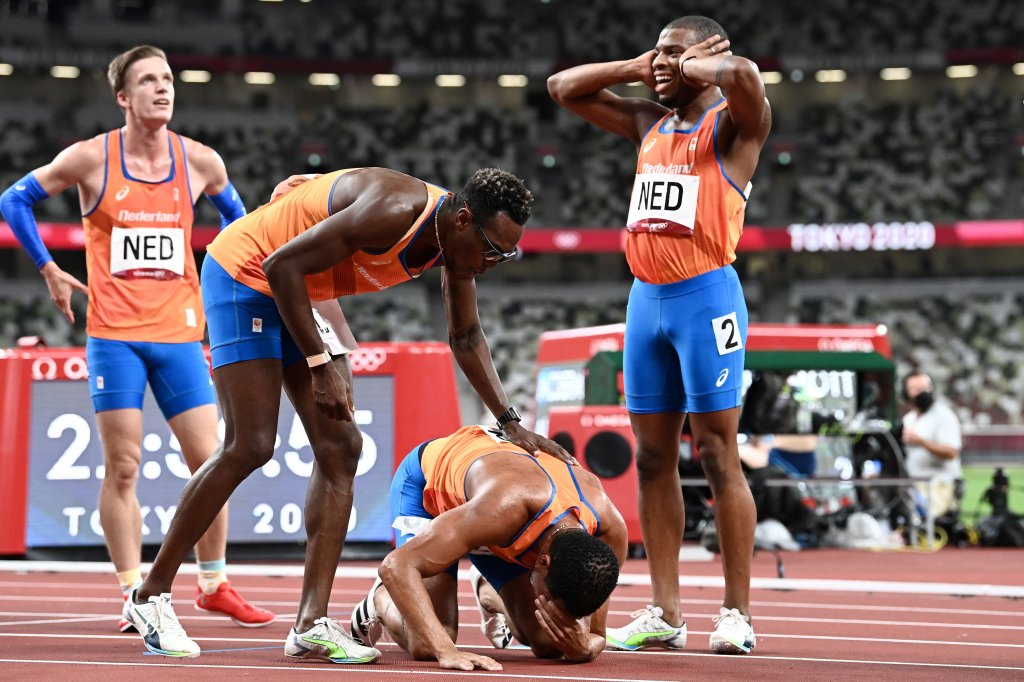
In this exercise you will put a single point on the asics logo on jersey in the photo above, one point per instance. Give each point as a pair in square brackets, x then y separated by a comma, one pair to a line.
[122, 193]
[20, 188]
[647, 147]
[722, 377]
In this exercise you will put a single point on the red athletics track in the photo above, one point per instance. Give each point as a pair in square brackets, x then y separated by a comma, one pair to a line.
[59, 625]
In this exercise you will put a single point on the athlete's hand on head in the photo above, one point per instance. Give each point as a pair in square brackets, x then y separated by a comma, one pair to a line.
[291, 183]
[535, 443]
[332, 393]
[712, 47]
[644, 65]
[571, 636]
[463, 660]
[61, 286]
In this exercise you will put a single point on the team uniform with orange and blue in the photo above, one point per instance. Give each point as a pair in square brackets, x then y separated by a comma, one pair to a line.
[243, 317]
[686, 320]
[145, 316]
[432, 480]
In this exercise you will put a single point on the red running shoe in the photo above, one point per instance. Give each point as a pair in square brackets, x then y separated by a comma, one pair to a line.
[228, 602]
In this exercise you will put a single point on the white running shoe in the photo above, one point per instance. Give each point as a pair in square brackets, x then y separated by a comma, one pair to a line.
[647, 629]
[733, 634]
[328, 641]
[492, 623]
[364, 625]
[159, 627]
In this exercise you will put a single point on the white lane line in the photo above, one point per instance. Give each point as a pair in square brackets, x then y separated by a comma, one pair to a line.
[788, 584]
[755, 660]
[296, 590]
[49, 621]
[356, 669]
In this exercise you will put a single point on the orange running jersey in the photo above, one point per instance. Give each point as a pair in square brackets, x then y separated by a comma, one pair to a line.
[685, 214]
[242, 249]
[446, 461]
[143, 284]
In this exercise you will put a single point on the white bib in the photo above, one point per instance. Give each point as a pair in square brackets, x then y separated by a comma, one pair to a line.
[663, 202]
[153, 252]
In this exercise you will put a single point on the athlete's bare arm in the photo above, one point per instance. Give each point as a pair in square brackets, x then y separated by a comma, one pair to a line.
[373, 209]
[211, 174]
[748, 120]
[613, 533]
[80, 164]
[490, 517]
[469, 345]
[583, 90]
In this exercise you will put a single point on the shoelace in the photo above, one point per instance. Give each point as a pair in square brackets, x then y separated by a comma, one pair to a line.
[334, 631]
[730, 617]
[166, 621]
[639, 626]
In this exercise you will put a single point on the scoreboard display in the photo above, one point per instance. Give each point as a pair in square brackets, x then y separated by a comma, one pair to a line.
[66, 470]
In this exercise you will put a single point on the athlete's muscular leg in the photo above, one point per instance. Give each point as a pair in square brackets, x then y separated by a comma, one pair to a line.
[120, 516]
[443, 591]
[336, 447]
[662, 518]
[196, 431]
[714, 437]
[250, 395]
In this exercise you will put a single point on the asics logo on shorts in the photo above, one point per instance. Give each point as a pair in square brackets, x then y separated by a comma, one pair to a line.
[722, 377]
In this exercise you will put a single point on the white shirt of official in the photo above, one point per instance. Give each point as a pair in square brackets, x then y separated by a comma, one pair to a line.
[941, 425]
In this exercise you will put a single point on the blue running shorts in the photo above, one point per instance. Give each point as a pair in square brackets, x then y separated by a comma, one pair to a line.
[684, 344]
[119, 370]
[244, 323]
[409, 518]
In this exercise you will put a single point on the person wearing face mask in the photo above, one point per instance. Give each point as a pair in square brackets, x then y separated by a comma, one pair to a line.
[931, 439]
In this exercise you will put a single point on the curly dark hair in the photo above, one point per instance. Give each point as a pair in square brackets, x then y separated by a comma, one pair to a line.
[491, 190]
[702, 27]
[583, 572]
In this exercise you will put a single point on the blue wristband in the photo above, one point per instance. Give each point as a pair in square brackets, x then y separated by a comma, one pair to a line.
[228, 204]
[16, 205]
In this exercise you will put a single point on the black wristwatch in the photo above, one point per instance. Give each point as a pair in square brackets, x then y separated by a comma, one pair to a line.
[510, 415]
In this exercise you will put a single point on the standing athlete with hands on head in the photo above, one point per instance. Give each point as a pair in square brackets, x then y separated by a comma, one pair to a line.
[344, 233]
[137, 187]
[686, 321]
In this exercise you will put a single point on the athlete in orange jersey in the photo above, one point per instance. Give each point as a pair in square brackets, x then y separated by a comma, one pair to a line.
[346, 232]
[137, 187]
[542, 533]
[698, 146]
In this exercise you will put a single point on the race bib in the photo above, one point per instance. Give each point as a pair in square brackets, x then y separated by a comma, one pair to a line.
[663, 202]
[327, 335]
[147, 252]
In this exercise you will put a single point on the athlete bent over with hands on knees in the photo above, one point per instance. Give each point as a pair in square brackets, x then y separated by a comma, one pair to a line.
[544, 535]
[686, 320]
[344, 233]
[137, 187]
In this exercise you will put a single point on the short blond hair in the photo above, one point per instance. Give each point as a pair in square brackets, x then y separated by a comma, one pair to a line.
[117, 72]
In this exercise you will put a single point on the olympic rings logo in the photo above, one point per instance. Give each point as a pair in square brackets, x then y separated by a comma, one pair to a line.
[45, 369]
[367, 360]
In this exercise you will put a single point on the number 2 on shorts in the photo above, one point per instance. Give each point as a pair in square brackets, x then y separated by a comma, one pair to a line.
[727, 334]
